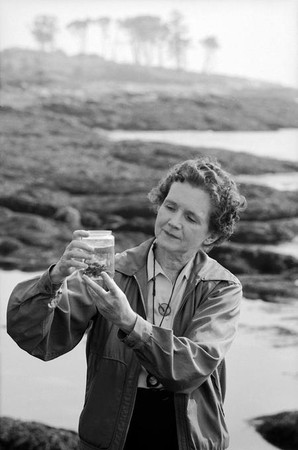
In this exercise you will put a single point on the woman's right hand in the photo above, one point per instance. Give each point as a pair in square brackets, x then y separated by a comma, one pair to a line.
[73, 257]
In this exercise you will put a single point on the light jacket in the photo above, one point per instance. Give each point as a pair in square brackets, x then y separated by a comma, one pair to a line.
[188, 360]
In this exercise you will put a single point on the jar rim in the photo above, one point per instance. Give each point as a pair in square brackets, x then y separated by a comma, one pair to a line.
[101, 232]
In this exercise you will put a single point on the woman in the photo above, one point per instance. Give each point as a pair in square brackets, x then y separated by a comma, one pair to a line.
[159, 332]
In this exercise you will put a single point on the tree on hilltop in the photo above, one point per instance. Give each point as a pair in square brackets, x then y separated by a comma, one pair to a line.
[146, 35]
[44, 30]
[80, 29]
[210, 46]
[103, 23]
[178, 39]
[160, 35]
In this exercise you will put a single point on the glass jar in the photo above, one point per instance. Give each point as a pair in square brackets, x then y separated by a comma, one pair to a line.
[102, 260]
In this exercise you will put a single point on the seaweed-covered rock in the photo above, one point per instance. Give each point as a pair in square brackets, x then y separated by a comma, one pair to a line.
[266, 232]
[20, 435]
[279, 429]
[244, 259]
[280, 288]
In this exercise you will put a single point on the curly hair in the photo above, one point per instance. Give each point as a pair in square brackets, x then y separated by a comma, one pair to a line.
[207, 174]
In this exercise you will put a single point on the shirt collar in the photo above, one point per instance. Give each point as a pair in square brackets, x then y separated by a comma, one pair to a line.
[185, 272]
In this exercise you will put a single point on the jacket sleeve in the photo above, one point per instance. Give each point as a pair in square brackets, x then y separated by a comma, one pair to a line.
[47, 320]
[183, 363]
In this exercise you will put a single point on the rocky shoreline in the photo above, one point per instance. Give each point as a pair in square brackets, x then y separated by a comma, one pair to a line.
[22, 435]
[280, 430]
[58, 177]
[58, 173]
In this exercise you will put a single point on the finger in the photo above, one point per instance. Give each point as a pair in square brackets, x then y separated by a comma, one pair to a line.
[78, 234]
[76, 264]
[109, 282]
[95, 286]
[92, 292]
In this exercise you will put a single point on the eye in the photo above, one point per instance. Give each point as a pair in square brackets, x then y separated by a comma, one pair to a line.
[191, 219]
[170, 207]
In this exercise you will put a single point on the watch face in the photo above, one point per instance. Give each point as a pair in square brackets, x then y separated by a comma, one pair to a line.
[152, 381]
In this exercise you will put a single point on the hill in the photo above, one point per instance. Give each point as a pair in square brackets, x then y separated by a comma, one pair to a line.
[109, 95]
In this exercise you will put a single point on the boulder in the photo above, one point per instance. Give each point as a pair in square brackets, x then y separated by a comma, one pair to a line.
[279, 429]
[266, 232]
[19, 435]
[243, 259]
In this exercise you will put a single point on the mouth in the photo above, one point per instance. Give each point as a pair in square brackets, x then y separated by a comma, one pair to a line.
[172, 236]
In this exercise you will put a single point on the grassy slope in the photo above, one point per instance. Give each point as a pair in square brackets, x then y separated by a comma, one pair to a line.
[110, 96]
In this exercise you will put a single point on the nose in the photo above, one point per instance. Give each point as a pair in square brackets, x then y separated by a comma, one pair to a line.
[175, 220]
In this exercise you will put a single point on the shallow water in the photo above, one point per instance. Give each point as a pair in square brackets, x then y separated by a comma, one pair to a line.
[51, 392]
[262, 372]
[281, 144]
[281, 181]
[262, 369]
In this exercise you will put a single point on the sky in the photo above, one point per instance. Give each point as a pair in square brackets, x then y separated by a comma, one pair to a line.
[258, 38]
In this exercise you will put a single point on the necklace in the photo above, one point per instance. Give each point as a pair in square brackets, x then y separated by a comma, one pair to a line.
[164, 309]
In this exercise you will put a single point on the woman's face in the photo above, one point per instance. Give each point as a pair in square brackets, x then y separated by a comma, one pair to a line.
[182, 222]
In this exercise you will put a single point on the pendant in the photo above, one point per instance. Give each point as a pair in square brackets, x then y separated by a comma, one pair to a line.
[164, 309]
[151, 381]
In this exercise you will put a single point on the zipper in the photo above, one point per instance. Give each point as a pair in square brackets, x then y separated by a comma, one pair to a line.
[134, 387]
[183, 434]
[134, 383]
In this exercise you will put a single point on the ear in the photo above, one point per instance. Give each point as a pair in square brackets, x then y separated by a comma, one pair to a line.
[210, 240]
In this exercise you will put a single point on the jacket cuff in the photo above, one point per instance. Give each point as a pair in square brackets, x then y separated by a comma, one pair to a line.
[52, 290]
[139, 336]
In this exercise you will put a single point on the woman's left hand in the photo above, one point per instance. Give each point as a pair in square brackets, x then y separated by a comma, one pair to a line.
[112, 303]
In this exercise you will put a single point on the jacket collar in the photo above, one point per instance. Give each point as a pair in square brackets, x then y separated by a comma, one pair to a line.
[131, 261]
[134, 260]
